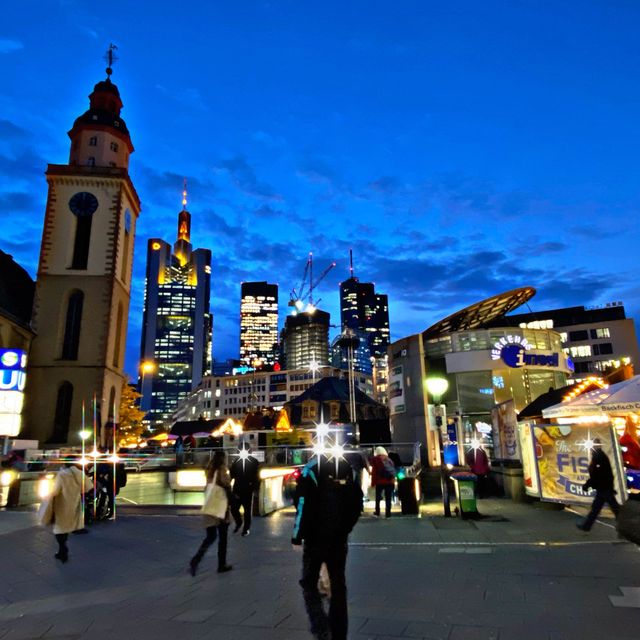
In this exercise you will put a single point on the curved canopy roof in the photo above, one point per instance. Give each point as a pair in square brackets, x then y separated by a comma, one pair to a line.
[480, 313]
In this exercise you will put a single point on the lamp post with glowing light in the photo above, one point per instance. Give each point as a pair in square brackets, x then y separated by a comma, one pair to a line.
[436, 387]
[147, 367]
[85, 434]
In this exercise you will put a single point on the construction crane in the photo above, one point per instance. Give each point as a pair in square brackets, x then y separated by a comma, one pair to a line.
[302, 297]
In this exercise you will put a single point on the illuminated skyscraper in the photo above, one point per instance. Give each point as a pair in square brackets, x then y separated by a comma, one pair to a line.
[362, 309]
[258, 322]
[306, 339]
[176, 333]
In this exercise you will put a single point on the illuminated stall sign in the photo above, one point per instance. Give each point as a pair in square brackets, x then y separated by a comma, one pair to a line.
[13, 375]
[513, 351]
[558, 458]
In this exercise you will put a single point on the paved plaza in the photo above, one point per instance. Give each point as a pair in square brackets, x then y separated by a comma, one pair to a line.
[523, 573]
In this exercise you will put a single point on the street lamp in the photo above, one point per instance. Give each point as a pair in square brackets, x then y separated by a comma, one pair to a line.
[436, 387]
[147, 367]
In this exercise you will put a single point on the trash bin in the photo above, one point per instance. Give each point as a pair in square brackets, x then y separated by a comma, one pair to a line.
[408, 486]
[465, 485]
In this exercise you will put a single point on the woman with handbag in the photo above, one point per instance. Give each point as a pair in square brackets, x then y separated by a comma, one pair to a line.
[216, 512]
[63, 507]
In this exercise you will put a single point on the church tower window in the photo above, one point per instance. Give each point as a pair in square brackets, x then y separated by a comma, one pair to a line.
[72, 326]
[93, 141]
[63, 412]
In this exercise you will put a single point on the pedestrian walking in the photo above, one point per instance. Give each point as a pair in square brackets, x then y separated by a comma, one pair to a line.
[216, 512]
[178, 447]
[63, 507]
[600, 479]
[329, 505]
[245, 474]
[383, 478]
[189, 445]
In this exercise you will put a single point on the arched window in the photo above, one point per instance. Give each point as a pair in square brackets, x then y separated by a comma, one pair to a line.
[118, 341]
[62, 417]
[72, 326]
[112, 405]
[125, 245]
[82, 241]
[91, 161]
[93, 141]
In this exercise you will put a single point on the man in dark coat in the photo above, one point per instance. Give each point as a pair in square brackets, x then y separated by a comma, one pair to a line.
[329, 505]
[600, 479]
[245, 474]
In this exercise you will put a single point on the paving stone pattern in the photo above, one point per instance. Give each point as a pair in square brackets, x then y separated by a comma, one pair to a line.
[533, 577]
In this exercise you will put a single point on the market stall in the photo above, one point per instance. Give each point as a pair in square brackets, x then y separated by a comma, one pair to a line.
[556, 455]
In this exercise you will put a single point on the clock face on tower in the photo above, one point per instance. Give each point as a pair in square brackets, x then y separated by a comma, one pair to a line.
[83, 204]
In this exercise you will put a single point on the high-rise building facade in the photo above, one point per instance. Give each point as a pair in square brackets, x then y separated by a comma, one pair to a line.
[83, 285]
[258, 323]
[362, 309]
[175, 350]
[362, 360]
[306, 339]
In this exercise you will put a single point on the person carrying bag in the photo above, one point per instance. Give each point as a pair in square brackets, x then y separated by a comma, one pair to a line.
[215, 510]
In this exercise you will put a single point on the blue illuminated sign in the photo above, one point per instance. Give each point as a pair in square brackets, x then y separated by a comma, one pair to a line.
[516, 356]
[13, 365]
[515, 352]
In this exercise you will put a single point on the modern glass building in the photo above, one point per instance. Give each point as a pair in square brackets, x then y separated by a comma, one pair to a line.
[362, 360]
[258, 323]
[597, 339]
[306, 339]
[486, 363]
[175, 350]
[362, 309]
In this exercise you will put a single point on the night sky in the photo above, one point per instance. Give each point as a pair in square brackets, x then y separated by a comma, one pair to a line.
[461, 148]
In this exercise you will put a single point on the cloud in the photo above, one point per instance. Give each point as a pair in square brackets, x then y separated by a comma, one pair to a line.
[187, 96]
[9, 45]
[92, 33]
[385, 185]
[243, 176]
[10, 132]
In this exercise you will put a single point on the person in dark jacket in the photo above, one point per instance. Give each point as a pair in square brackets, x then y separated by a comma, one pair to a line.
[245, 474]
[600, 479]
[357, 460]
[329, 505]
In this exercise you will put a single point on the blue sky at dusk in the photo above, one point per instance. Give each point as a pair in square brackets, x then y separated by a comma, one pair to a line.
[461, 149]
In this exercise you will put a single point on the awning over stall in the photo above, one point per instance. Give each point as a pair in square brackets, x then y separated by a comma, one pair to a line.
[619, 399]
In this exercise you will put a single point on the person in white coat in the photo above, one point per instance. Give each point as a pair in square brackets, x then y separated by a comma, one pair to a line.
[67, 507]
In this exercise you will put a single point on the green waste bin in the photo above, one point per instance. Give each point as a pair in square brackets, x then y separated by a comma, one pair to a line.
[465, 484]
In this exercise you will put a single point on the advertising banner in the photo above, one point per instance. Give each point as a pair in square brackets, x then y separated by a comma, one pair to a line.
[13, 373]
[529, 468]
[397, 402]
[505, 431]
[562, 454]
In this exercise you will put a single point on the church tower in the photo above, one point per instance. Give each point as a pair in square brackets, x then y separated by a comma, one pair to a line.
[83, 284]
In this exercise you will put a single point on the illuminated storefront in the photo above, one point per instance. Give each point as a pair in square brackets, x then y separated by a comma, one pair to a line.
[486, 368]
